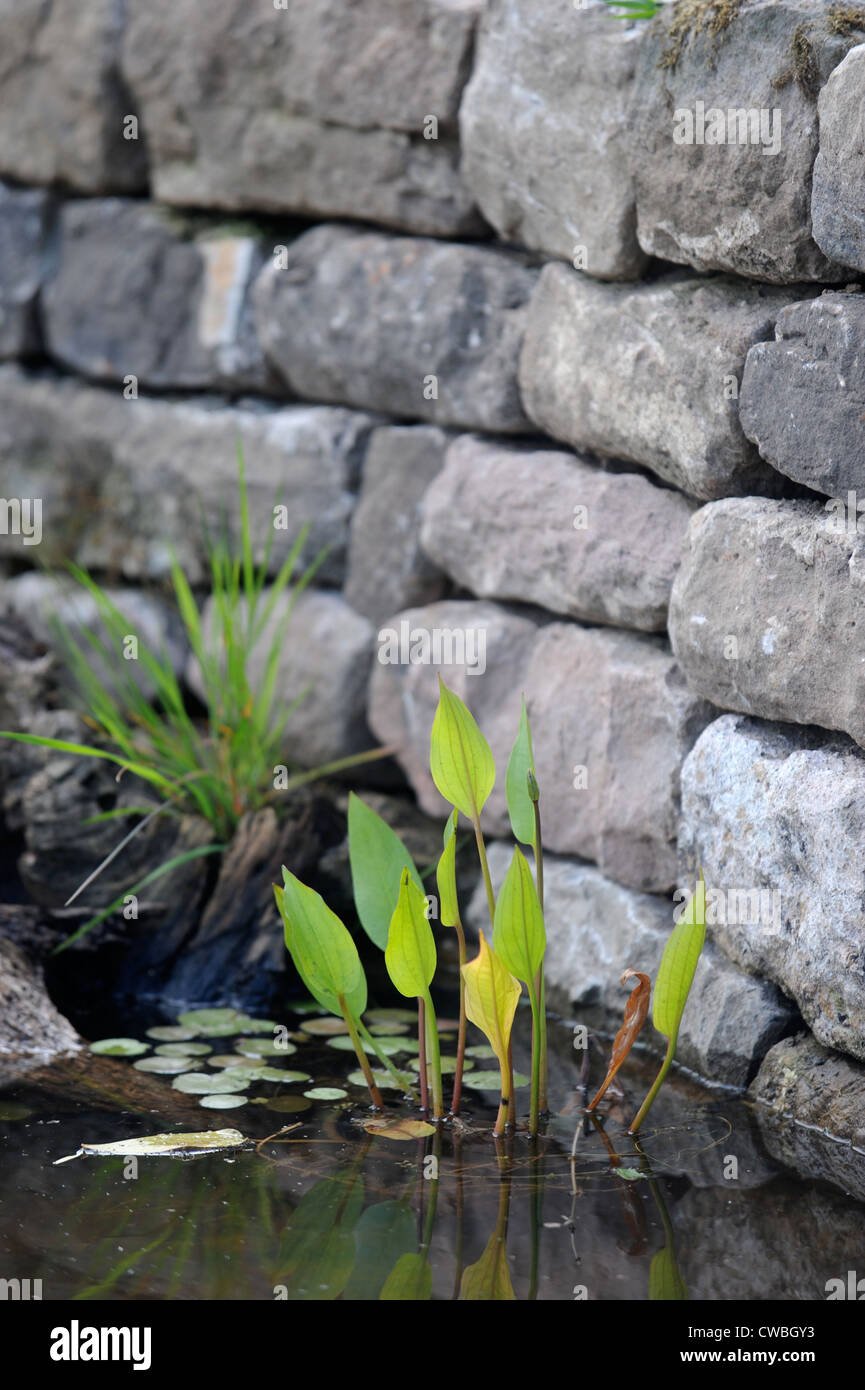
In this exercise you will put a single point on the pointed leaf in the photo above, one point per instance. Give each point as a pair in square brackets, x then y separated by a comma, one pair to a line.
[489, 1279]
[378, 857]
[446, 879]
[410, 1280]
[491, 998]
[321, 947]
[461, 762]
[521, 762]
[519, 938]
[410, 956]
[678, 964]
[636, 1010]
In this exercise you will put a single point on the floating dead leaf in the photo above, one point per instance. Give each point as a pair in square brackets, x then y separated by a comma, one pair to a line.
[636, 1010]
[165, 1145]
[400, 1128]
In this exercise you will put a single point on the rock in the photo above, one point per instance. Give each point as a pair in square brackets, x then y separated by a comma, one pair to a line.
[387, 569]
[535, 525]
[414, 327]
[64, 108]
[322, 110]
[24, 227]
[126, 484]
[134, 295]
[803, 396]
[774, 816]
[649, 374]
[761, 585]
[714, 192]
[32, 1032]
[542, 126]
[324, 660]
[45, 600]
[596, 929]
[28, 672]
[609, 712]
[838, 196]
[806, 1097]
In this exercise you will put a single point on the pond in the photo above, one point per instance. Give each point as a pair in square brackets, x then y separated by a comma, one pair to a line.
[699, 1210]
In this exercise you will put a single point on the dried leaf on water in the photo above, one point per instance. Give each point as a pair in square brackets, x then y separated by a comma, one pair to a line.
[636, 1012]
[164, 1145]
[400, 1128]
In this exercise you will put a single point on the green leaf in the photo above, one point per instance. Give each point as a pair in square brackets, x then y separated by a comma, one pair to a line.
[410, 1280]
[446, 877]
[520, 764]
[489, 1279]
[318, 1251]
[678, 964]
[384, 1233]
[410, 956]
[378, 857]
[321, 947]
[519, 938]
[461, 762]
[491, 999]
[665, 1281]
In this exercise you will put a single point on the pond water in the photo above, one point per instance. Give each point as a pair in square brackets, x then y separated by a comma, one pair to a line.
[700, 1209]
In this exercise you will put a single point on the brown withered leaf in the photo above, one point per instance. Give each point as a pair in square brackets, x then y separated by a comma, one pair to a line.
[636, 1011]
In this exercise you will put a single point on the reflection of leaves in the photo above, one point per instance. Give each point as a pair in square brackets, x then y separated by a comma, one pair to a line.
[383, 1234]
[318, 1244]
[410, 1280]
[490, 1277]
[636, 1011]
[665, 1281]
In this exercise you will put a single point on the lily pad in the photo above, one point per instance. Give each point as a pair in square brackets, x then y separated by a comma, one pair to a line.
[399, 1128]
[172, 1032]
[284, 1105]
[167, 1066]
[183, 1049]
[209, 1020]
[389, 1046]
[383, 1080]
[326, 1027]
[449, 1065]
[482, 1050]
[258, 1025]
[390, 1016]
[271, 1074]
[165, 1145]
[389, 1029]
[264, 1047]
[227, 1060]
[220, 1102]
[306, 1006]
[119, 1047]
[326, 1093]
[491, 1080]
[209, 1083]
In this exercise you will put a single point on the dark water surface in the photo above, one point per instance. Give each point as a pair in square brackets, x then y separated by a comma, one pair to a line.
[701, 1209]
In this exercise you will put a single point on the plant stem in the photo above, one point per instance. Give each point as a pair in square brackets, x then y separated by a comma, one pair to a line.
[375, 1093]
[536, 1059]
[421, 1056]
[461, 1036]
[658, 1083]
[540, 984]
[511, 1122]
[432, 1034]
[385, 1061]
[485, 870]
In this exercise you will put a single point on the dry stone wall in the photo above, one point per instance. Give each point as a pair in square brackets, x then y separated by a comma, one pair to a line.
[551, 326]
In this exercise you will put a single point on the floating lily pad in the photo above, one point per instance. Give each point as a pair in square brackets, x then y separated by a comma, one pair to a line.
[391, 1016]
[206, 1019]
[183, 1049]
[389, 1046]
[172, 1032]
[449, 1065]
[14, 1110]
[306, 1006]
[383, 1080]
[227, 1060]
[259, 1025]
[210, 1083]
[480, 1050]
[491, 1080]
[284, 1105]
[390, 1029]
[264, 1047]
[326, 1093]
[399, 1128]
[165, 1145]
[220, 1102]
[272, 1074]
[447, 1025]
[167, 1066]
[119, 1047]
[324, 1027]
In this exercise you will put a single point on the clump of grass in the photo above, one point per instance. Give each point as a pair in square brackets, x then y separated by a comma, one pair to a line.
[693, 17]
[803, 64]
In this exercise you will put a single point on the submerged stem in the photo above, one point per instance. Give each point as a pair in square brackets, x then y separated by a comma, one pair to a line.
[658, 1083]
[375, 1093]
[421, 1055]
[432, 1034]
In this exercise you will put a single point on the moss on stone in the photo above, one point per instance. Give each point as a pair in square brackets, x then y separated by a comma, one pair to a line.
[802, 67]
[845, 19]
[693, 17]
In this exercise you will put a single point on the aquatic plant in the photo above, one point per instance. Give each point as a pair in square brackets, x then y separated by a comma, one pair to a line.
[220, 768]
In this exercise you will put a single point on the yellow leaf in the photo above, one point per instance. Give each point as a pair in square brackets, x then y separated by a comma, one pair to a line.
[399, 1128]
[491, 998]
